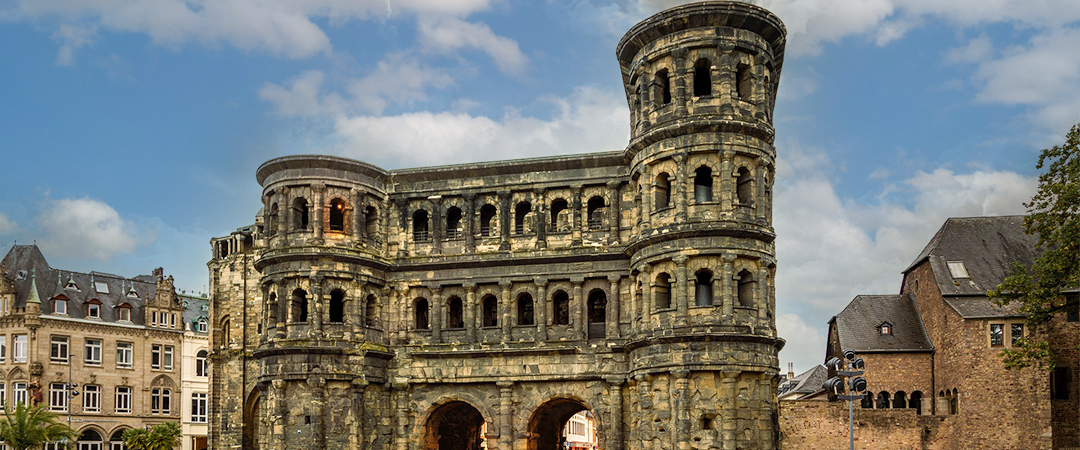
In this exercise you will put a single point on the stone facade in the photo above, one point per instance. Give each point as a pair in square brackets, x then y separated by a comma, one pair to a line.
[485, 304]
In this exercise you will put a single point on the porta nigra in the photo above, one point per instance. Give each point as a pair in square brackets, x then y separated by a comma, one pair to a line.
[482, 305]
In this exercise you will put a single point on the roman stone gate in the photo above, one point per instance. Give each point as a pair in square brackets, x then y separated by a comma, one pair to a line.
[484, 305]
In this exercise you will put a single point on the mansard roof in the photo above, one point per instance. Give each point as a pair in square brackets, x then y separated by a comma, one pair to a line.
[809, 382]
[858, 325]
[111, 290]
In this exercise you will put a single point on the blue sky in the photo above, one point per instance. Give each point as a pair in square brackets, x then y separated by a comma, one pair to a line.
[131, 130]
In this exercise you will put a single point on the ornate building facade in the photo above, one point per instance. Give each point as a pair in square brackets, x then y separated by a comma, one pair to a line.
[483, 305]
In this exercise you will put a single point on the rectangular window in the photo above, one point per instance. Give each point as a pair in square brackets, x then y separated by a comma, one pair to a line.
[3, 395]
[1017, 332]
[198, 407]
[957, 269]
[18, 353]
[93, 352]
[57, 397]
[19, 389]
[3, 347]
[997, 334]
[1060, 383]
[91, 398]
[123, 400]
[124, 314]
[58, 349]
[155, 356]
[124, 354]
[167, 358]
[93, 311]
[160, 401]
[60, 307]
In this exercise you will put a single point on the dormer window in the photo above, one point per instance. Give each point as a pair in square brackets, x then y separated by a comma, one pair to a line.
[71, 286]
[200, 325]
[123, 313]
[957, 269]
[93, 309]
[132, 294]
[886, 329]
[60, 306]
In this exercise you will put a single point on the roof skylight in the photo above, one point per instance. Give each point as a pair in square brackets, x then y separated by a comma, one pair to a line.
[957, 269]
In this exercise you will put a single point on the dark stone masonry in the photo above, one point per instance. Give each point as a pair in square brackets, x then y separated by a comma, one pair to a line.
[485, 304]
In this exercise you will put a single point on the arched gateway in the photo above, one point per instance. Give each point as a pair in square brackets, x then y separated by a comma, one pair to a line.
[480, 306]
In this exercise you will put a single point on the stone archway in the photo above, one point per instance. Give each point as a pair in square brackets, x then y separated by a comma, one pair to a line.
[454, 426]
[251, 431]
[547, 422]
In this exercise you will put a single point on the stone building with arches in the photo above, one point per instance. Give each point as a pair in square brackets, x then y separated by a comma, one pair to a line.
[483, 305]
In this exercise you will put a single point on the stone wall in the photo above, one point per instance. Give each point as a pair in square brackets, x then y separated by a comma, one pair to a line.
[824, 425]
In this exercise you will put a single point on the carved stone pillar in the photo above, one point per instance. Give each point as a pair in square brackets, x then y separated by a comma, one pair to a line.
[680, 75]
[681, 404]
[436, 225]
[359, 386]
[759, 181]
[614, 427]
[358, 313]
[727, 183]
[315, 306]
[278, 421]
[614, 211]
[647, 302]
[578, 322]
[471, 324]
[506, 404]
[727, 277]
[504, 310]
[646, 201]
[729, 409]
[318, 208]
[286, 210]
[680, 187]
[401, 391]
[436, 314]
[682, 302]
[762, 303]
[403, 226]
[540, 219]
[541, 309]
[612, 309]
[359, 219]
[470, 222]
[576, 219]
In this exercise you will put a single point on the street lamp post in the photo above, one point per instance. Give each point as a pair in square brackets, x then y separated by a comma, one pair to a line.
[851, 367]
[69, 391]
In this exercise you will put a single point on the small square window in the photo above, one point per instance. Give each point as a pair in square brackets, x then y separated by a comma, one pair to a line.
[60, 307]
[1016, 332]
[957, 269]
[124, 314]
[997, 334]
[93, 311]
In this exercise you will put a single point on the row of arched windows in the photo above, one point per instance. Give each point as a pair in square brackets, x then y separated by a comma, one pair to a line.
[897, 400]
[524, 308]
[559, 219]
[703, 187]
[336, 220]
[702, 82]
[703, 289]
[298, 307]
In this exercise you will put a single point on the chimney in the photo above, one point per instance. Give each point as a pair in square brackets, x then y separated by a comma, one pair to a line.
[790, 371]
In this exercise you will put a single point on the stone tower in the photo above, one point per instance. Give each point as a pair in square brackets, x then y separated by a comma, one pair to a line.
[486, 304]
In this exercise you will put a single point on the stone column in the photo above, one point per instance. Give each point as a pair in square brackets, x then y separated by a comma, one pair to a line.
[580, 326]
[576, 224]
[540, 219]
[471, 324]
[278, 421]
[647, 301]
[436, 225]
[727, 182]
[400, 298]
[682, 303]
[726, 278]
[646, 100]
[317, 208]
[359, 385]
[401, 390]
[646, 201]
[763, 293]
[266, 212]
[679, 74]
[614, 211]
[318, 425]
[470, 222]
[645, 403]
[612, 308]
[541, 309]
[436, 314]
[614, 426]
[358, 309]
[403, 226]
[759, 180]
[506, 403]
[286, 212]
[504, 220]
[359, 220]
[729, 409]
[504, 310]
[315, 305]
[681, 404]
[679, 186]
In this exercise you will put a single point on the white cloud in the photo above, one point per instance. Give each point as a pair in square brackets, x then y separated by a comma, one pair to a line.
[302, 98]
[399, 79]
[8, 230]
[976, 50]
[71, 38]
[87, 228]
[589, 120]
[831, 248]
[805, 342]
[447, 34]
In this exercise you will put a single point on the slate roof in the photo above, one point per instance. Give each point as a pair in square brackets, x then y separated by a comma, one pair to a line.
[988, 247]
[26, 262]
[195, 308]
[805, 383]
[857, 325]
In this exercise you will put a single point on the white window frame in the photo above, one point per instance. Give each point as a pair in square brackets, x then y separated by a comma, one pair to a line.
[199, 410]
[21, 394]
[122, 400]
[91, 398]
[92, 352]
[18, 351]
[123, 314]
[60, 306]
[202, 365]
[161, 401]
[58, 397]
[3, 395]
[155, 356]
[3, 347]
[167, 358]
[93, 311]
[125, 354]
[957, 269]
[58, 349]
[201, 325]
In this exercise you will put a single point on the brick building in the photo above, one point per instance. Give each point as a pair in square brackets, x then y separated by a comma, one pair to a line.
[484, 305]
[118, 338]
[934, 351]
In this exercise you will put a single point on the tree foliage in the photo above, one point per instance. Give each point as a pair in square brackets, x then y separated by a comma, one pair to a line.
[30, 427]
[1048, 287]
[163, 436]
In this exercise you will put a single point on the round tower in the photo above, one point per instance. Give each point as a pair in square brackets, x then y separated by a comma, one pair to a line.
[701, 82]
[324, 287]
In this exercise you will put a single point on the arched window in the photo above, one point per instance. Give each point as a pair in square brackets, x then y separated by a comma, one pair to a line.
[702, 78]
[744, 187]
[521, 213]
[223, 249]
[337, 215]
[453, 223]
[597, 306]
[662, 291]
[421, 313]
[273, 219]
[868, 400]
[298, 306]
[371, 220]
[596, 213]
[487, 219]
[703, 288]
[421, 232]
[455, 313]
[882, 400]
[743, 81]
[561, 307]
[746, 288]
[560, 215]
[662, 191]
[663, 87]
[116, 441]
[703, 184]
[89, 440]
[899, 400]
[371, 310]
[524, 309]
[226, 331]
[202, 364]
[300, 213]
[491, 311]
[337, 306]
[954, 401]
[915, 402]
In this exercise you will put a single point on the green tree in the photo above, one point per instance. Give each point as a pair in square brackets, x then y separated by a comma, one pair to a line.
[1048, 287]
[163, 436]
[28, 427]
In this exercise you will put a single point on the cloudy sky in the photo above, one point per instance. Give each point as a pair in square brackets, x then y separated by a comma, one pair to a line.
[130, 130]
